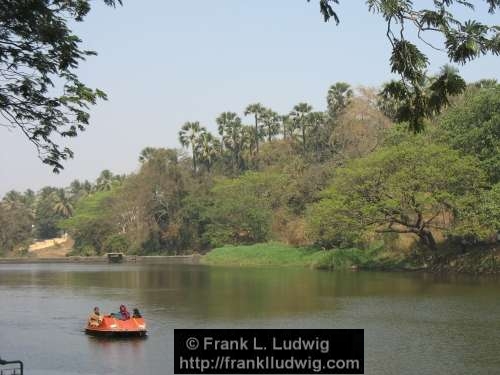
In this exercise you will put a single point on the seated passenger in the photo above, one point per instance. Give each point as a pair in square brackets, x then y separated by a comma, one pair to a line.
[136, 313]
[95, 318]
[124, 314]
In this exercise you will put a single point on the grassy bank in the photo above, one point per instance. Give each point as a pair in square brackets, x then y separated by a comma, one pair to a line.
[277, 254]
[476, 261]
[266, 254]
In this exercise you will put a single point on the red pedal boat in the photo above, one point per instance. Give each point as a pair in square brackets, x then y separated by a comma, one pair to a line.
[111, 326]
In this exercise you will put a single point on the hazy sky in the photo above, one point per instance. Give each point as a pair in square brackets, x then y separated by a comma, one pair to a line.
[165, 62]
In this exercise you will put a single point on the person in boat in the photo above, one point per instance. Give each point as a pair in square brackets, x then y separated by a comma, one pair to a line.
[95, 318]
[124, 314]
[136, 313]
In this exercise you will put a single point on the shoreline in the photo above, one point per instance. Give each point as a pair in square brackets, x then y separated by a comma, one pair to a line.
[100, 259]
[474, 262]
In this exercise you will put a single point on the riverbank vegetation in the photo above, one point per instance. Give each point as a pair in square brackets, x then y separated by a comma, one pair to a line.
[280, 255]
[376, 257]
[347, 177]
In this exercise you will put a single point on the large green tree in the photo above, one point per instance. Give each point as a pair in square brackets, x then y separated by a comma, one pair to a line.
[146, 208]
[40, 93]
[239, 210]
[413, 188]
[92, 223]
[472, 125]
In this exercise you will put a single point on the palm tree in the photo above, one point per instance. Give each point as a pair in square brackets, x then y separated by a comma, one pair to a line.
[338, 98]
[87, 187]
[13, 198]
[318, 133]
[62, 203]
[188, 137]
[231, 131]
[257, 110]
[78, 190]
[248, 139]
[270, 123]
[427, 97]
[287, 125]
[146, 154]
[105, 181]
[208, 148]
[300, 115]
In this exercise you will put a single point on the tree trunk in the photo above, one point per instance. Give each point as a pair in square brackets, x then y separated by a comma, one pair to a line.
[256, 134]
[428, 239]
[194, 162]
[304, 139]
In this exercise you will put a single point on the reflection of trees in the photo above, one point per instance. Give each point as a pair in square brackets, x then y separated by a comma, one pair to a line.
[193, 291]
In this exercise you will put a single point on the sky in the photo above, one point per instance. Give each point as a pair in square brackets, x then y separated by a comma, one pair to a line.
[166, 62]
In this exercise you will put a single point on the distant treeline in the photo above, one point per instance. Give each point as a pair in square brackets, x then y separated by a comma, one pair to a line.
[344, 177]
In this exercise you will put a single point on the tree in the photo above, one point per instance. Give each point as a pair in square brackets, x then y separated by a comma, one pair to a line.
[248, 143]
[338, 98]
[208, 149]
[78, 190]
[270, 123]
[92, 222]
[257, 110]
[105, 181]
[288, 124]
[301, 113]
[46, 217]
[116, 243]
[37, 51]
[147, 154]
[188, 137]
[490, 209]
[319, 134]
[472, 125]
[480, 217]
[361, 127]
[414, 105]
[16, 220]
[28, 198]
[413, 188]
[231, 130]
[62, 203]
[145, 207]
[239, 209]
[463, 42]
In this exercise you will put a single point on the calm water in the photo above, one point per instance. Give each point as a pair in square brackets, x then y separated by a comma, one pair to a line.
[414, 323]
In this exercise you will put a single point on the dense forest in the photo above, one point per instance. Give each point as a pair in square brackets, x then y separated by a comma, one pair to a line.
[348, 176]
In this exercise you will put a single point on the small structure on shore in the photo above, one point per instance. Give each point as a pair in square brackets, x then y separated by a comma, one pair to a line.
[115, 257]
[14, 367]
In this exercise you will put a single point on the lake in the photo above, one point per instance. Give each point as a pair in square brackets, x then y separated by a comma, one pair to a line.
[414, 323]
